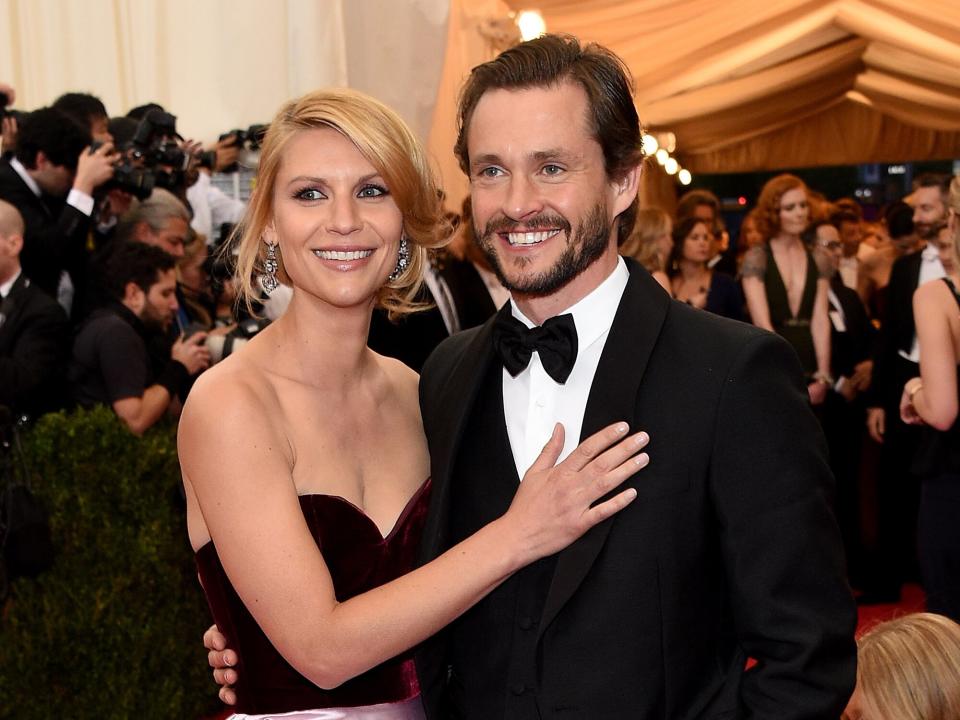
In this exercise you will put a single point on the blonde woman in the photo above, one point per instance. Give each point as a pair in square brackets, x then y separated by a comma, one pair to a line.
[908, 669]
[932, 399]
[651, 242]
[303, 455]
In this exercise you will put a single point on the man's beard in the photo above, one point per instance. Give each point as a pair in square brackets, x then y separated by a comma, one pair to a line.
[154, 319]
[581, 251]
[929, 231]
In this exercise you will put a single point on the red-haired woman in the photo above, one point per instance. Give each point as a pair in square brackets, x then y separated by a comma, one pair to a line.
[782, 285]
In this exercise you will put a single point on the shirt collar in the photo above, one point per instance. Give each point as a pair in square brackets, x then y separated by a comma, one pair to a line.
[25, 176]
[930, 253]
[593, 314]
[8, 285]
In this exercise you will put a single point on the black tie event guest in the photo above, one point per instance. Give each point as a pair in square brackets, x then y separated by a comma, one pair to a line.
[304, 461]
[852, 337]
[730, 550]
[896, 360]
[693, 281]
[782, 285]
[111, 363]
[34, 334]
[931, 399]
[51, 180]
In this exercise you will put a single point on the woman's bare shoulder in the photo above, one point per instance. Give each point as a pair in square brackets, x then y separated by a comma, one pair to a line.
[233, 398]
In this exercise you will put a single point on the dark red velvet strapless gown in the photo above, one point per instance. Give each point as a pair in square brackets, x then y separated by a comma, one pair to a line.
[359, 559]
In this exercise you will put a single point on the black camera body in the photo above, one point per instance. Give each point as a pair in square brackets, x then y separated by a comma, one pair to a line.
[152, 158]
[251, 138]
[5, 112]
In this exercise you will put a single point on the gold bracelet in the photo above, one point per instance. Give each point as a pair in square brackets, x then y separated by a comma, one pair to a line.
[912, 392]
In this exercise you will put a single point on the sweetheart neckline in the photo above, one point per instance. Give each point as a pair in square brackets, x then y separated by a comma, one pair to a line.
[404, 513]
[401, 518]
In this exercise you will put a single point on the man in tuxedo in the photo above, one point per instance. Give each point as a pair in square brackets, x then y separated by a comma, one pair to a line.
[51, 181]
[33, 330]
[852, 336]
[730, 550]
[897, 360]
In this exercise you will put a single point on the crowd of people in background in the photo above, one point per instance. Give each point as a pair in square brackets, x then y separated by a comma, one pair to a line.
[115, 291]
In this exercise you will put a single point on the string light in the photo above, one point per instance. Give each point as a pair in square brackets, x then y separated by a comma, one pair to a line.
[649, 144]
[662, 156]
[684, 177]
[531, 24]
[671, 166]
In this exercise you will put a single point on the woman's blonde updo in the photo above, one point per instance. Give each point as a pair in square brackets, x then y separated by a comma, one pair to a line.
[387, 143]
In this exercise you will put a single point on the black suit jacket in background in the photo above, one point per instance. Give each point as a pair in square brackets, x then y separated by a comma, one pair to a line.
[34, 348]
[897, 329]
[856, 343]
[729, 551]
[55, 236]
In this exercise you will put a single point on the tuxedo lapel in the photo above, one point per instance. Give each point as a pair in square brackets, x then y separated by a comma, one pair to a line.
[457, 399]
[613, 397]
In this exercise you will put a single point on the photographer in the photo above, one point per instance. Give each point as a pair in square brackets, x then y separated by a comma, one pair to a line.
[111, 364]
[51, 181]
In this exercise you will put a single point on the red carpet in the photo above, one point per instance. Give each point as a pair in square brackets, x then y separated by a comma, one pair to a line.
[912, 601]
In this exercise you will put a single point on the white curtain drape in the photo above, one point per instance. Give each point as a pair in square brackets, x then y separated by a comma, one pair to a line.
[221, 64]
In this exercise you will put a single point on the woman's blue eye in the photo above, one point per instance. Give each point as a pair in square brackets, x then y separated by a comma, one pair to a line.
[309, 194]
[369, 191]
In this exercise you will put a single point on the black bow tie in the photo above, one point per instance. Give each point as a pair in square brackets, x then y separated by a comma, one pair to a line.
[555, 341]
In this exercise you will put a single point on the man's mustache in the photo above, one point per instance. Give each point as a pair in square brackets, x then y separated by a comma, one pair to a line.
[539, 222]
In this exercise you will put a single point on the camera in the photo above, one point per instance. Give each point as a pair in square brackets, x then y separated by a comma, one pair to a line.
[248, 140]
[5, 112]
[152, 158]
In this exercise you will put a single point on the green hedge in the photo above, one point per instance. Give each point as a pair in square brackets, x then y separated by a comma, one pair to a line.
[114, 629]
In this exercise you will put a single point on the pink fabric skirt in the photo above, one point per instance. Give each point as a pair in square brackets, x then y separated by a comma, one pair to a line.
[411, 709]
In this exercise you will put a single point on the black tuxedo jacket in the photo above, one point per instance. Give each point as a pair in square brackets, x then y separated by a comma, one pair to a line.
[729, 551]
[897, 329]
[55, 236]
[34, 346]
[470, 294]
[855, 343]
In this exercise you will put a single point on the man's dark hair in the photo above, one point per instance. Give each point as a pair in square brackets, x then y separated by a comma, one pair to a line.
[122, 129]
[691, 200]
[82, 108]
[937, 180]
[899, 220]
[809, 236]
[134, 262]
[843, 215]
[140, 111]
[549, 61]
[53, 133]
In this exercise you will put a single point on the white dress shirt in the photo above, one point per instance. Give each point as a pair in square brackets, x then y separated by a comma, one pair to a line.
[533, 402]
[930, 269]
[78, 199]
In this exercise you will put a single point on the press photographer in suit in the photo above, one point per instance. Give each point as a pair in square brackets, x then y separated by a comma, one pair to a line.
[33, 331]
[51, 181]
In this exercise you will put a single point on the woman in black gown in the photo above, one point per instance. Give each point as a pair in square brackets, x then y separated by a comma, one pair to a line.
[303, 455]
[784, 290]
[932, 399]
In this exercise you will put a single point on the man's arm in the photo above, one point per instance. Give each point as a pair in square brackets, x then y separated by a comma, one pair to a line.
[36, 355]
[141, 412]
[772, 488]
